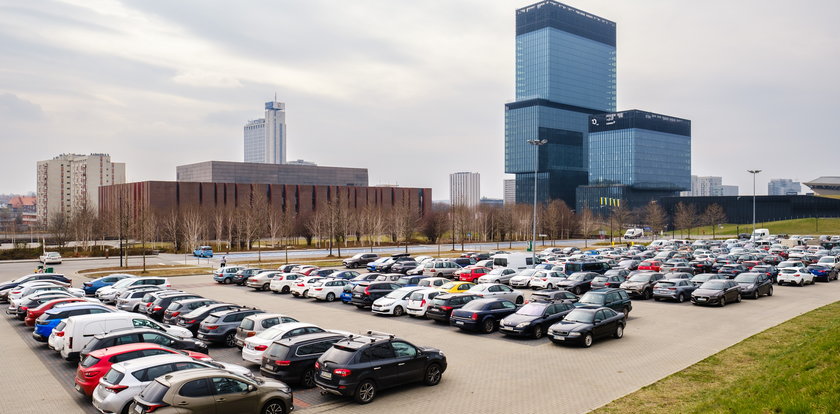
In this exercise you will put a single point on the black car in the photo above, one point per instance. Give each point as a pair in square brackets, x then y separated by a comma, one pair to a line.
[629, 264]
[150, 297]
[242, 276]
[440, 310]
[772, 259]
[404, 266]
[463, 261]
[192, 320]
[365, 293]
[584, 325]
[360, 260]
[293, 359]
[360, 366]
[553, 295]
[534, 318]
[137, 335]
[182, 307]
[161, 304]
[615, 299]
[702, 265]
[482, 314]
[385, 267]
[716, 292]
[220, 327]
[608, 281]
[753, 285]
[38, 300]
[770, 270]
[731, 270]
[578, 282]
[410, 280]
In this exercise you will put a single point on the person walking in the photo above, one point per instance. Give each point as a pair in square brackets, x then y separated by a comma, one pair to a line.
[224, 261]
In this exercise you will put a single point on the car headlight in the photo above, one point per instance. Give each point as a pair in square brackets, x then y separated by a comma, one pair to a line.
[285, 388]
[523, 325]
[574, 333]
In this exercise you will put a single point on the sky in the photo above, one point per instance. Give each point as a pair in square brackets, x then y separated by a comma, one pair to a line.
[411, 90]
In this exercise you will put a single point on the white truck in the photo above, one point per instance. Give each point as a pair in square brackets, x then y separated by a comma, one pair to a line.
[634, 233]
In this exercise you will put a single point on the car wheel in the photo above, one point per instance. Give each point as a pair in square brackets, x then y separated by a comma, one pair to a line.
[626, 311]
[488, 325]
[549, 286]
[285, 289]
[576, 290]
[433, 375]
[307, 380]
[305, 292]
[365, 392]
[587, 340]
[265, 287]
[230, 339]
[680, 298]
[619, 331]
[399, 311]
[657, 299]
[330, 297]
[353, 265]
[770, 291]
[738, 298]
[360, 306]
[647, 294]
[539, 331]
[722, 302]
[755, 294]
[519, 300]
[274, 407]
[226, 281]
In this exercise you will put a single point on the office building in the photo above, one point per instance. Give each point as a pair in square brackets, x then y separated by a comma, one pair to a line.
[783, 186]
[265, 138]
[825, 186]
[510, 192]
[637, 157]
[256, 173]
[726, 191]
[565, 72]
[70, 182]
[464, 189]
[709, 187]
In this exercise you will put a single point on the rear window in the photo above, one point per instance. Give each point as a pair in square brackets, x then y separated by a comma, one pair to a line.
[211, 319]
[665, 284]
[154, 392]
[417, 296]
[439, 302]
[475, 305]
[339, 355]
[247, 324]
[113, 377]
[60, 326]
[89, 361]
[277, 351]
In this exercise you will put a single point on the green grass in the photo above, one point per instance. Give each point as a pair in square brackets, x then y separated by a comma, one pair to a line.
[791, 368]
[812, 226]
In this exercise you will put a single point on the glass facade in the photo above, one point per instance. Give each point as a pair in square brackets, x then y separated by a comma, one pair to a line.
[565, 72]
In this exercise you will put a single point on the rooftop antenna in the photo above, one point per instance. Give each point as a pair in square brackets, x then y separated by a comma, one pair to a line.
[275, 96]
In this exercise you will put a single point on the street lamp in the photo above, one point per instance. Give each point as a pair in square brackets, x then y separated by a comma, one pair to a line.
[536, 143]
[753, 172]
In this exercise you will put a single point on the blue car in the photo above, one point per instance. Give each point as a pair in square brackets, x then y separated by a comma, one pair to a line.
[91, 287]
[45, 323]
[203, 251]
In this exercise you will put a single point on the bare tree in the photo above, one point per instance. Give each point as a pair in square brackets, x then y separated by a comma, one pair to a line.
[219, 215]
[193, 226]
[714, 216]
[170, 224]
[143, 228]
[59, 227]
[621, 215]
[655, 217]
[405, 222]
[231, 225]
[434, 225]
[587, 222]
[316, 225]
[685, 217]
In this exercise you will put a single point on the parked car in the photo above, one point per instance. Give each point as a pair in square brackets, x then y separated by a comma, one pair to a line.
[607, 281]
[255, 346]
[578, 283]
[138, 335]
[641, 284]
[584, 325]
[301, 288]
[440, 268]
[212, 389]
[359, 260]
[432, 282]
[615, 299]
[262, 281]
[254, 324]
[409, 281]
[456, 287]
[753, 285]
[293, 359]
[192, 320]
[731, 270]
[629, 264]
[799, 276]
[385, 265]
[674, 289]
[652, 265]
[283, 282]
[109, 294]
[33, 313]
[534, 319]
[482, 314]
[183, 307]
[328, 289]
[241, 277]
[351, 366]
[403, 266]
[50, 258]
[497, 290]
[92, 286]
[498, 275]
[203, 251]
[420, 300]
[442, 306]
[220, 327]
[547, 279]
[716, 292]
[822, 272]
[471, 273]
[366, 292]
[768, 270]
[524, 277]
[159, 307]
[698, 280]
[131, 299]
[8, 286]
[395, 302]
[553, 295]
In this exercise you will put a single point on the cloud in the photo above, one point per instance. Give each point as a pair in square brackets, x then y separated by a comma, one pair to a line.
[14, 108]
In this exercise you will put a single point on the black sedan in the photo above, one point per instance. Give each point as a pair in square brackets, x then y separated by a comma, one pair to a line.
[578, 282]
[551, 295]
[482, 314]
[584, 325]
[534, 319]
[702, 265]
[137, 335]
[716, 292]
[771, 271]
[754, 285]
[731, 270]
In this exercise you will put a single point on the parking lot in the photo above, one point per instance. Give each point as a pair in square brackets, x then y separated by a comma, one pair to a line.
[487, 373]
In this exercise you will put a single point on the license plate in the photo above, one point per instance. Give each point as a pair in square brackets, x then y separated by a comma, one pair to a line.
[326, 375]
[269, 367]
[701, 299]
[138, 409]
[459, 322]
[559, 338]
[356, 295]
[78, 387]
[201, 336]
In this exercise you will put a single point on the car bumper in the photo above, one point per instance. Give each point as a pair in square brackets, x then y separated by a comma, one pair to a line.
[565, 338]
[415, 311]
[518, 284]
[514, 331]
[39, 336]
[85, 387]
[385, 310]
[342, 389]
[255, 285]
[251, 355]
[711, 300]
[467, 324]
[661, 295]
[211, 336]
[437, 316]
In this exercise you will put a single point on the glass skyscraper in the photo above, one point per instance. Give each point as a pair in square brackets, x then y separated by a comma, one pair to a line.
[565, 72]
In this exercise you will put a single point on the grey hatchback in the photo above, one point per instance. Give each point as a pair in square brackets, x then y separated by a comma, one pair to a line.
[679, 290]
[220, 327]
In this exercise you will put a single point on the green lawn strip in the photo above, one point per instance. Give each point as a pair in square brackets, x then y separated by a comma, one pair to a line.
[790, 368]
[811, 226]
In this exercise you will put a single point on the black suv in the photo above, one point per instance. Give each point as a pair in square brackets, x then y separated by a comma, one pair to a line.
[615, 299]
[242, 276]
[192, 320]
[293, 359]
[359, 260]
[366, 292]
[360, 366]
[220, 327]
[442, 305]
[137, 335]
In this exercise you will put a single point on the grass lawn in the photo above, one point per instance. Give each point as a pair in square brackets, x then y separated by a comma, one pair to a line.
[812, 226]
[791, 368]
[151, 270]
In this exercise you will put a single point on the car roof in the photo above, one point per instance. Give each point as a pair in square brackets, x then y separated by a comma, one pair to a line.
[227, 312]
[308, 338]
[123, 331]
[121, 349]
[79, 305]
[190, 374]
[260, 316]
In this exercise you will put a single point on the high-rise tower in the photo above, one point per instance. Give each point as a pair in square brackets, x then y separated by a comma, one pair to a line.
[265, 138]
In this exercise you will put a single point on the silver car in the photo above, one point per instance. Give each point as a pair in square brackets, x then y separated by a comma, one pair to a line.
[130, 299]
[125, 380]
[497, 290]
[674, 289]
[498, 275]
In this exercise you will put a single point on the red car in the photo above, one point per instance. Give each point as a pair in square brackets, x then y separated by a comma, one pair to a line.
[471, 273]
[98, 362]
[33, 314]
[654, 265]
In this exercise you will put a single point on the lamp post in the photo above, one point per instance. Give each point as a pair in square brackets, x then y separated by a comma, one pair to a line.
[753, 172]
[536, 143]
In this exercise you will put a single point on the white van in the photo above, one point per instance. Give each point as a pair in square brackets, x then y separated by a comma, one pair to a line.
[79, 330]
[516, 261]
[634, 233]
[760, 234]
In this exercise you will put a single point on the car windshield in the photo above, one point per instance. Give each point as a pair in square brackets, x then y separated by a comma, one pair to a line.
[665, 284]
[640, 278]
[817, 267]
[592, 298]
[338, 355]
[531, 309]
[714, 285]
[122, 283]
[580, 316]
[826, 260]
[746, 278]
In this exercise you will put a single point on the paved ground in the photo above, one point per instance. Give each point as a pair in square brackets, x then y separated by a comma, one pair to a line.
[487, 373]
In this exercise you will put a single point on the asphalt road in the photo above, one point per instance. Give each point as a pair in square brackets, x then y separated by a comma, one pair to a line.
[492, 373]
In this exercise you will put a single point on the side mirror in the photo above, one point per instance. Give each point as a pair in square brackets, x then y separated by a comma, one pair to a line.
[251, 388]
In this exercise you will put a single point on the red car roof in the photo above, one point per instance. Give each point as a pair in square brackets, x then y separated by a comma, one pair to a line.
[50, 304]
[121, 349]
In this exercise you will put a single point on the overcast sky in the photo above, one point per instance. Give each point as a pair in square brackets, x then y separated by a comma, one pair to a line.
[411, 90]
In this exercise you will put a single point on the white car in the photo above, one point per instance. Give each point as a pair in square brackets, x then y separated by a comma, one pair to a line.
[497, 290]
[56, 338]
[791, 263]
[547, 280]
[283, 282]
[256, 345]
[420, 300]
[327, 289]
[795, 276]
[432, 282]
[301, 288]
[109, 294]
[523, 278]
[498, 275]
[395, 302]
[50, 258]
[118, 387]
[40, 288]
[423, 259]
